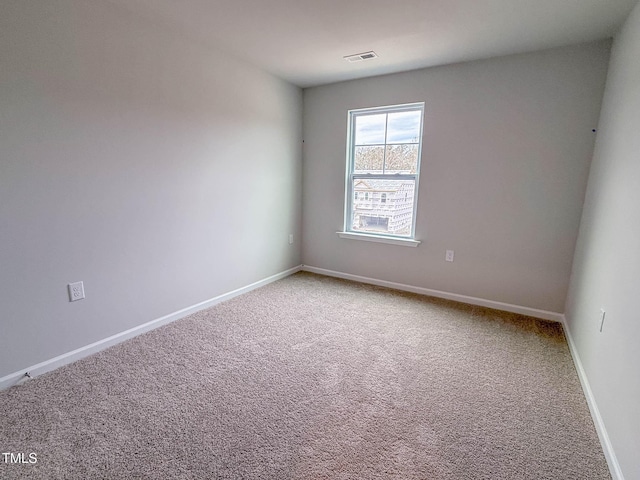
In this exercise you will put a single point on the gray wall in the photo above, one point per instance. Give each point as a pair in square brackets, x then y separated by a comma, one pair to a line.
[160, 172]
[506, 153]
[606, 272]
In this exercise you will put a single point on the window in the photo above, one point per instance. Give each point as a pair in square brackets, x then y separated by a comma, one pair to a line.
[383, 162]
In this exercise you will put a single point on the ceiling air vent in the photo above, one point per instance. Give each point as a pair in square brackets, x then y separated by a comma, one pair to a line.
[358, 57]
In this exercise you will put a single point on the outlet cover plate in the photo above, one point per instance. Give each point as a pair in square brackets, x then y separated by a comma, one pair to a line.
[76, 291]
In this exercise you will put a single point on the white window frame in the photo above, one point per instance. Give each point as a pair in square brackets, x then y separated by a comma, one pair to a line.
[406, 240]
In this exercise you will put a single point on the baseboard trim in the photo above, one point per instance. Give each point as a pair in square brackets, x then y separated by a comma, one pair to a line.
[532, 312]
[607, 448]
[69, 357]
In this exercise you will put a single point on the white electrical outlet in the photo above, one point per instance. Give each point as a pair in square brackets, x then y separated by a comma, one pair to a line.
[449, 256]
[291, 239]
[602, 315]
[76, 291]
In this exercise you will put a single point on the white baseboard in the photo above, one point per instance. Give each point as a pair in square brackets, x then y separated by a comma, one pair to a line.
[607, 448]
[69, 357]
[507, 307]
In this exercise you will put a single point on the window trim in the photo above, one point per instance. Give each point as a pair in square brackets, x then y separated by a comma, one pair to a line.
[350, 177]
[391, 240]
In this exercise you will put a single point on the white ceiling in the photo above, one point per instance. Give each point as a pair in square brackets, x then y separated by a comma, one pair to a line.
[303, 41]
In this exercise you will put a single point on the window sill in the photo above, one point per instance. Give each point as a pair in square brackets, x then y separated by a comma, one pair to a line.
[405, 242]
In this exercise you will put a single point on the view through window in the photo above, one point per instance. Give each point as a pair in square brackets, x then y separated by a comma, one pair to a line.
[383, 167]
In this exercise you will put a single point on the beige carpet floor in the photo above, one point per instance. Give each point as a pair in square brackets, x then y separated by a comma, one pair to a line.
[314, 378]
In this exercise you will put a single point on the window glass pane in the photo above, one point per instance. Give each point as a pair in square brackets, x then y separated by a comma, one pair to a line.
[401, 159]
[370, 129]
[383, 206]
[404, 127]
[368, 159]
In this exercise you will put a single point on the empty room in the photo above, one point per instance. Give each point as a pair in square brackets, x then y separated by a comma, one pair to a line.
[319, 240]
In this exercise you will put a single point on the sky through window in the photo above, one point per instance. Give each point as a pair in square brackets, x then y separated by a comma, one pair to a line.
[401, 127]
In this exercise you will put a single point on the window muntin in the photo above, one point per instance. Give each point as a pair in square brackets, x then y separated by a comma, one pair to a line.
[383, 165]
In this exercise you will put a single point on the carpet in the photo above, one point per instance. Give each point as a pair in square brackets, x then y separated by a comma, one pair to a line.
[313, 377]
